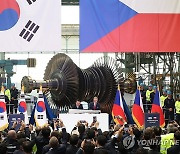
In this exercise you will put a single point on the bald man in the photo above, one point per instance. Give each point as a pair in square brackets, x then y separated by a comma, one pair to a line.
[12, 134]
[11, 141]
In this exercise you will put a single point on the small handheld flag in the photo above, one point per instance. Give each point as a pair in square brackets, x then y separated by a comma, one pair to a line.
[22, 108]
[40, 110]
[118, 108]
[156, 108]
[137, 110]
[3, 112]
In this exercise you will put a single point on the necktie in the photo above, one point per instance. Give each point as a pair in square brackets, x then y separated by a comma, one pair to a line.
[94, 107]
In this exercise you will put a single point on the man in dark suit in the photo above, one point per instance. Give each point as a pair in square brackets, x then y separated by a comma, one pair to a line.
[78, 105]
[100, 145]
[72, 148]
[169, 105]
[94, 105]
[55, 147]
[42, 139]
[175, 148]
[14, 96]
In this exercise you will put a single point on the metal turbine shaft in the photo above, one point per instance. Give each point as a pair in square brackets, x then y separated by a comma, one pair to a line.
[67, 82]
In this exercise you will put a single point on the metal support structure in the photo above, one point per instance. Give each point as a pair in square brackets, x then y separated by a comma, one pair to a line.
[70, 32]
[161, 69]
[154, 68]
[164, 71]
[8, 64]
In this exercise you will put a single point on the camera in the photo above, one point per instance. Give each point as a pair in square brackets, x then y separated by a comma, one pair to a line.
[94, 119]
[88, 140]
[126, 127]
[82, 121]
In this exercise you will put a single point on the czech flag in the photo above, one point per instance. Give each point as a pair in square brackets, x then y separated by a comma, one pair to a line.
[129, 25]
[40, 111]
[118, 108]
[127, 112]
[22, 108]
[3, 113]
[156, 108]
[137, 110]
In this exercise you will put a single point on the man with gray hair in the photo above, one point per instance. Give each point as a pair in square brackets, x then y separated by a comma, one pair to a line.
[11, 141]
[55, 147]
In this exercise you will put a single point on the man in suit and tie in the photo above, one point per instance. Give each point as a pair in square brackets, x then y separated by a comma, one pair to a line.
[78, 105]
[94, 105]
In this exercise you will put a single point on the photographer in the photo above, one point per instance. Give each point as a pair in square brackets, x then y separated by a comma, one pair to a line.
[80, 129]
[58, 124]
[114, 145]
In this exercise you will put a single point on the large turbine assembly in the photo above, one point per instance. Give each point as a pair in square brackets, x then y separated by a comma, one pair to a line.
[67, 82]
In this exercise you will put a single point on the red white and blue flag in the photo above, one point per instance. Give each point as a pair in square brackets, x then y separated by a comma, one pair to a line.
[22, 108]
[137, 110]
[118, 108]
[129, 26]
[3, 112]
[156, 108]
[30, 25]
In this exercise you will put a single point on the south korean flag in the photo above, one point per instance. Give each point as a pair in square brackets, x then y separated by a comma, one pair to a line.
[30, 25]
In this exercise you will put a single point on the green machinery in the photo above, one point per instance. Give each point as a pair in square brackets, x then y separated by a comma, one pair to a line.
[7, 67]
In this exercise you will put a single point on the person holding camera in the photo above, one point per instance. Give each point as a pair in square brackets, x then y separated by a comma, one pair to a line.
[58, 125]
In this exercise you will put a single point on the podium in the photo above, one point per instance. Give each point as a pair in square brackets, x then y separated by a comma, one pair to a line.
[78, 111]
[152, 119]
[70, 120]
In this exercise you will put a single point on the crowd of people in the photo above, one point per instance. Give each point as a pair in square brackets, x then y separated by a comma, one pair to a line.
[89, 139]
[170, 105]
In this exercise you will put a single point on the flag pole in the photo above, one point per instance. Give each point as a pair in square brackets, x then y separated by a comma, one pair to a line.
[40, 89]
[158, 87]
[138, 87]
[22, 88]
[2, 88]
[118, 86]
